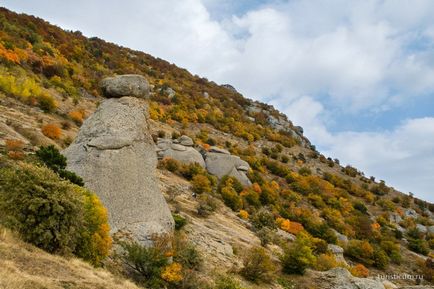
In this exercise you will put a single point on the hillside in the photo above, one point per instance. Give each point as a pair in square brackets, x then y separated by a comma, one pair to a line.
[295, 196]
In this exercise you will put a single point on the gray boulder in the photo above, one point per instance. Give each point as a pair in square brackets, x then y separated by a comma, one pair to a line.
[115, 155]
[431, 229]
[215, 149]
[185, 141]
[222, 164]
[395, 218]
[340, 278]
[184, 154]
[338, 252]
[421, 228]
[410, 213]
[125, 85]
[341, 237]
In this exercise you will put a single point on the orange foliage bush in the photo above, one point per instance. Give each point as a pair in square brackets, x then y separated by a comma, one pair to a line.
[77, 116]
[244, 214]
[360, 271]
[8, 55]
[172, 273]
[14, 149]
[52, 131]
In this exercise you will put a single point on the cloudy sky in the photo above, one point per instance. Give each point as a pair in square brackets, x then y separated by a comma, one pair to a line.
[357, 75]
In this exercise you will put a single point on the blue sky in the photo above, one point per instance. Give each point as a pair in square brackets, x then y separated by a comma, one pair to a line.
[357, 75]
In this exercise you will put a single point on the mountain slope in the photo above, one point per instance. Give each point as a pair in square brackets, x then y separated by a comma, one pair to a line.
[49, 84]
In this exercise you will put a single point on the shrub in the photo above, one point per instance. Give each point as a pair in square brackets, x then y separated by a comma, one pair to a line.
[52, 131]
[381, 260]
[359, 206]
[359, 271]
[361, 251]
[201, 184]
[243, 214]
[325, 262]
[263, 218]
[53, 214]
[230, 195]
[172, 273]
[179, 221]
[14, 148]
[265, 235]
[298, 256]
[77, 116]
[207, 205]
[227, 282]
[170, 164]
[258, 266]
[54, 160]
[419, 246]
[187, 255]
[147, 263]
[392, 250]
[304, 171]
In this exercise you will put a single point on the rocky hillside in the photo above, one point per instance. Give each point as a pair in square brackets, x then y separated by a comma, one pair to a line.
[250, 194]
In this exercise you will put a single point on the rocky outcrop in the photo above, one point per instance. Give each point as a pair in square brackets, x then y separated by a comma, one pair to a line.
[180, 150]
[338, 252]
[115, 155]
[220, 163]
[340, 278]
[125, 85]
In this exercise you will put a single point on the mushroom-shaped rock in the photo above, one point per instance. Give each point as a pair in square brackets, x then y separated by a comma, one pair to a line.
[125, 85]
[338, 252]
[115, 155]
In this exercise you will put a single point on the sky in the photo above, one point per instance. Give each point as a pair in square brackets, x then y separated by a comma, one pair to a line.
[358, 76]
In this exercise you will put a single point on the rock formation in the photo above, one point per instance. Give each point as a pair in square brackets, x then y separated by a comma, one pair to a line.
[115, 155]
[220, 163]
[180, 150]
[125, 85]
[340, 278]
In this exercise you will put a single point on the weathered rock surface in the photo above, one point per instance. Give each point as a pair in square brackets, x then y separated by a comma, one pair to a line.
[125, 85]
[182, 153]
[340, 278]
[221, 164]
[115, 155]
[338, 252]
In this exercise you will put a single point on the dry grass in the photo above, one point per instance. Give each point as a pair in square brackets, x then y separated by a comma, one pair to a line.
[22, 266]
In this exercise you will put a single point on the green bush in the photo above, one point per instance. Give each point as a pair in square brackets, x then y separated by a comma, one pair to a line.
[187, 255]
[258, 266]
[207, 205]
[362, 251]
[179, 221]
[53, 159]
[227, 282]
[381, 260]
[147, 263]
[419, 246]
[263, 218]
[201, 184]
[53, 214]
[298, 256]
[230, 195]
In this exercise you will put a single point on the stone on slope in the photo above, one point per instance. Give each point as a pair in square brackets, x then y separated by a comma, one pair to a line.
[125, 85]
[181, 153]
[185, 141]
[222, 164]
[340, 278]
[115, 155]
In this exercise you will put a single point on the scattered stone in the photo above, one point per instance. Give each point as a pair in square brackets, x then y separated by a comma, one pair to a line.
[395, 218]
[115, 155]
[338, 252]
[431, 229]
[340, 278]
[184, 154]
[341, 238]
[215, 149]
[221, 164]
[185, 140]
[421, 228]
[285, 235]
[411, 213]
[125, 85]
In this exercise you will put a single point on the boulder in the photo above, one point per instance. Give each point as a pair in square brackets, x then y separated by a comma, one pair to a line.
[285, 235]
[341, 237]
[340, 278]
[431, 229]
[115, 155]
[215, 149]
[185, 141]
[125, 85]
[179, 152]
[220, 165]
[338, 252]
[395, 218]
[411, 213]
[423, 229]
[389, 285]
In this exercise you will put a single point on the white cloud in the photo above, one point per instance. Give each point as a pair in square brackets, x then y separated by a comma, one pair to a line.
[302, 55]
